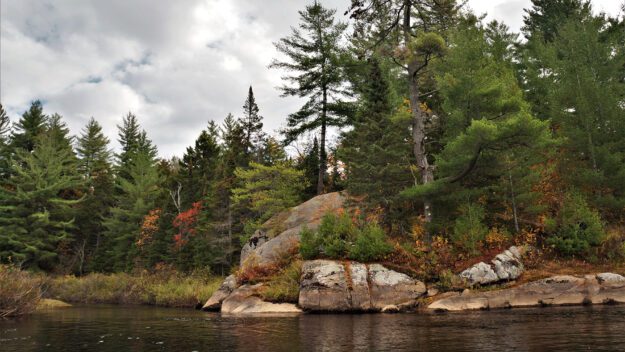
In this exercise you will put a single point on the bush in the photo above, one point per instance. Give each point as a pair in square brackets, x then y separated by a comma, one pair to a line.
[337, 237]
[20, 291]
[469, 230]
[370, 245]
[309, 246]
[579, 228]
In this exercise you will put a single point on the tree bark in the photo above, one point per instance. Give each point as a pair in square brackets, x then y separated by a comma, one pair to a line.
[322, 145]
[418, 116]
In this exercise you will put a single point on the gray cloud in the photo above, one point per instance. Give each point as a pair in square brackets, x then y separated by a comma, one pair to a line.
[175, 64]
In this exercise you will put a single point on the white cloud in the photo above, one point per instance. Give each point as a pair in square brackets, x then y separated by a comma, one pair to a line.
[175, 64]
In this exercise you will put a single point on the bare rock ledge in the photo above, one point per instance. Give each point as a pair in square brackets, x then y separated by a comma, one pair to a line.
[605, 288]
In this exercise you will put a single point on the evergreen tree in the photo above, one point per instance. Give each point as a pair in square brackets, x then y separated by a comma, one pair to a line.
[129, 135]
[29, 127]
[309, 164]
[314, 51]
[543, 19]
[5, 150]
[376, 152]
[95, 166]
[137, 194]
[487, 123]
[38, 204]
[251, 122]
[271, 152]
[415, 31]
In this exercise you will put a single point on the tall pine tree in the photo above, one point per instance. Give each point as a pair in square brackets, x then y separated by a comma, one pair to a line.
[313, 50]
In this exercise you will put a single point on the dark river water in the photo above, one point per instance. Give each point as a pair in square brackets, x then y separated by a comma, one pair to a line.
[120, 329]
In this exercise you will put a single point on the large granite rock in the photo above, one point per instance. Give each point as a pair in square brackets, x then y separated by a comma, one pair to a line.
[328, 285]
[280, 234]
[505, 266]
[557, 290]
[226, 288]
[245, 300]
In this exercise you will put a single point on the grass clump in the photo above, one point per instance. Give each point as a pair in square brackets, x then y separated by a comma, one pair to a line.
[162, 289]
[284, 286]
[20, 291]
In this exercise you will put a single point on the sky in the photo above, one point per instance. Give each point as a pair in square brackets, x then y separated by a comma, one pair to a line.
[176, 65]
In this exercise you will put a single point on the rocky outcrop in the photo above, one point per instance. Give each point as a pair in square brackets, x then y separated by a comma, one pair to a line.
[245, 300]
[505, 266]
[280, 234]
[328, 285]
[602, 288]
[226, 288]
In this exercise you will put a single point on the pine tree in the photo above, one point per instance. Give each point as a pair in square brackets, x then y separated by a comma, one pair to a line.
[96, 168]
[38, 204]
[5, 150]
[252, 123]
[415, 30]
[376, 152]
[309, 164]
[543, 19]
[314, 51]
[137, 194]
[488, 128]
[29, 127]
[129, 135]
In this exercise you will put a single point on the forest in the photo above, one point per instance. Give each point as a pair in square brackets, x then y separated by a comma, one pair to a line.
[455, 137]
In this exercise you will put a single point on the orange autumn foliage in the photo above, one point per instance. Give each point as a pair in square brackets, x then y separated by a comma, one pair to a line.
[185, 223]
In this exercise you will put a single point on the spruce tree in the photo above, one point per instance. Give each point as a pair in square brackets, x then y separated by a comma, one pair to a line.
[5, 126]
[29, 127]
[376, 151]
[96, 168]
[5, 150]
[137, 194]
[129, 135]
[251, 122]
[38, 206]
[313, 50]
[309, 163]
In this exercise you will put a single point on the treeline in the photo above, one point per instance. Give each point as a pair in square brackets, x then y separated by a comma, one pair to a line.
[449, 128]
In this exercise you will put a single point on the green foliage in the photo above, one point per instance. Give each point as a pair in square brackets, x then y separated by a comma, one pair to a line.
[469, 230]
[37, 207]
[337, 237]
[284, 286]
[580, 229]
[370, 245]
[314, 47]
[267, 190]
[29, 127]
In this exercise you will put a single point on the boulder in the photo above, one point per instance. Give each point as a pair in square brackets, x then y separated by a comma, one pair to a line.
[245, 300]
[557, 290]
[226, 288]
[333, 286]
[280, 235]
[506, 266]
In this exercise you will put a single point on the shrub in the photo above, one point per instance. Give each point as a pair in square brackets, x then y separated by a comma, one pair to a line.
[309, 246]
[469, 230]
[337, 237]
[20, 291]
[613, 246]
[370, 245]
[579, 227]
[284, 286]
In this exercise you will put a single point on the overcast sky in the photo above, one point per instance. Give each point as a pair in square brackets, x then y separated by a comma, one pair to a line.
[175, 64]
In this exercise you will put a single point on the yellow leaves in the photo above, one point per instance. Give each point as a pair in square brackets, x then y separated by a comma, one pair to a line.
[495, 238]
[149, 227]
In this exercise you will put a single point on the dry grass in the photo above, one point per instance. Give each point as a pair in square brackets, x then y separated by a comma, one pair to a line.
[171, 290]
[554, 267]
[20, 291]
[284, 286]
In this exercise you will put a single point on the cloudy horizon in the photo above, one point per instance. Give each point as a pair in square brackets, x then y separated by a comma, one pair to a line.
[175, 66]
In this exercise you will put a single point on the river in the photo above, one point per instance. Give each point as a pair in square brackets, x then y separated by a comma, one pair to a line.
[121, 328]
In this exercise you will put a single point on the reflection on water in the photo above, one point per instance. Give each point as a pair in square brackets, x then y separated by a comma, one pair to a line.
[119, 329]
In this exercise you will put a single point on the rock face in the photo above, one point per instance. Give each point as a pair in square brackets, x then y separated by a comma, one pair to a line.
[280, 234]
[226, 288]
[328, 285]
[505, 266]
[245, 301]
[602, 288]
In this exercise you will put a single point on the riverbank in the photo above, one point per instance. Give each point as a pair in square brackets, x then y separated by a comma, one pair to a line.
[165, 290]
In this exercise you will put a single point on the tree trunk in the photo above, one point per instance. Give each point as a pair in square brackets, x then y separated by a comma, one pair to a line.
[418, 116]
[322, 145]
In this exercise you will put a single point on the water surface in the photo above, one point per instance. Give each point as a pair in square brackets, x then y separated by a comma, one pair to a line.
[120, 329]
